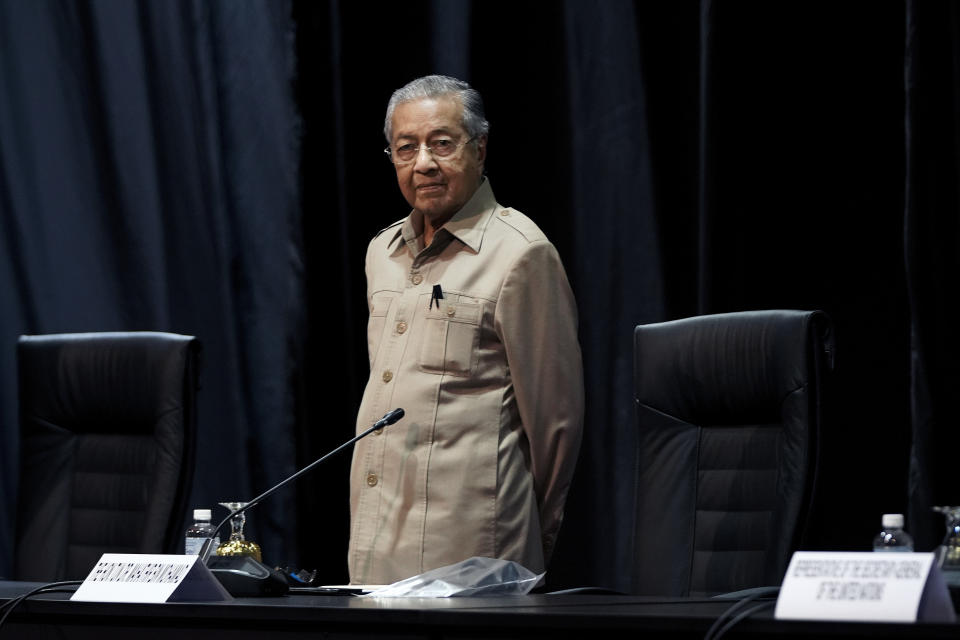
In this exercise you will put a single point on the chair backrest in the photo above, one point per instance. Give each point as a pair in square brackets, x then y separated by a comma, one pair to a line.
[728, 412]
[107, 443]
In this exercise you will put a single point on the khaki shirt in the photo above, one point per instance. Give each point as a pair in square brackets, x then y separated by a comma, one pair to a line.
[491, 380]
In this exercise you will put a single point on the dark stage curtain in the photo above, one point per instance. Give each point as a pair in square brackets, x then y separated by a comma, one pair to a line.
[685, 157]
[931, 242]
[148, 181]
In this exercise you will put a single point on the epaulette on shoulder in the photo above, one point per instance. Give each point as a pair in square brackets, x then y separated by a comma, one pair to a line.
[522, 223]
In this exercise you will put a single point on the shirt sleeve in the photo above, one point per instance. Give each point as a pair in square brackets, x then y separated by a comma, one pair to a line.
[536, 318]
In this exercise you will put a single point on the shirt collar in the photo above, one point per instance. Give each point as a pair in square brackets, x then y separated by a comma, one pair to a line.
[467, 225]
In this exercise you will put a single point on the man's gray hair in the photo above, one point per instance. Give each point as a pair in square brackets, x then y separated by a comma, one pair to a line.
[474, 120]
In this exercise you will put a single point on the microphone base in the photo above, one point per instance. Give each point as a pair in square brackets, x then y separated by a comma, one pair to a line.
[244, 577]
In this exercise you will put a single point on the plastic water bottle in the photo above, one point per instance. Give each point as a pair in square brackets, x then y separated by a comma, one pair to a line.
[198, 532]
[893, 537]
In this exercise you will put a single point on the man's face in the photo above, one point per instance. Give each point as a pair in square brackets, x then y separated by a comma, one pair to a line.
[437, 187]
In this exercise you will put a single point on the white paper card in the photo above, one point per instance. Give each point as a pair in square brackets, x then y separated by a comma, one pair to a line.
[135, 577]
[864, 587]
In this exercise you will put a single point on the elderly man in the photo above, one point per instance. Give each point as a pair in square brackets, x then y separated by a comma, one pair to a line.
[473, 332]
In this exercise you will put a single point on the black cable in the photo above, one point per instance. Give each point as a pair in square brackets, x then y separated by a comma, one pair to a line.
[744, 614]
[46, 588]
[729, 611]
[10, 605]
[715, 629]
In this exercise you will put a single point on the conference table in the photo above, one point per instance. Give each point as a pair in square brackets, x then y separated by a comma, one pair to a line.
[301, 615]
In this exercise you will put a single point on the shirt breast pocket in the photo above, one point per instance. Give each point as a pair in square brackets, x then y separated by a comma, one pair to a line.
[379, 307]
[451, 338]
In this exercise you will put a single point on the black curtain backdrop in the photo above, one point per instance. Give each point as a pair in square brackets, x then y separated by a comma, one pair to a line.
[148, 181]
[215, 168]
[931, 240]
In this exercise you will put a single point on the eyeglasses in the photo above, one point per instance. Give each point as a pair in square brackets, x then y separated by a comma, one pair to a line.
[440, 148]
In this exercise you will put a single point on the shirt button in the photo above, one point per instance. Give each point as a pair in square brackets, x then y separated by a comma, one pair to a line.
[505, 212]
[387, 375]
[401, 327]
[371, 479]
[416, 278]
[451, 311]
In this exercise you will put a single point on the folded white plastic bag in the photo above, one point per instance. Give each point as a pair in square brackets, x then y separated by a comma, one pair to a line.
[476, 576]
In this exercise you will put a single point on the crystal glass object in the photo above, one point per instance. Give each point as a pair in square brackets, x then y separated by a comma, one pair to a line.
[237, 545]
[948, 553]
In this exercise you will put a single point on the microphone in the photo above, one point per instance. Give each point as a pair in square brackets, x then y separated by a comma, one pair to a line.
[244, 576]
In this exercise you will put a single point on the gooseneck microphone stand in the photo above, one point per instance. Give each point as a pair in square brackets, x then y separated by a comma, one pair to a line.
[236, 574]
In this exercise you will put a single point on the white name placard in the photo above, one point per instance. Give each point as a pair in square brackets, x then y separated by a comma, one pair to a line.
[864, 587]
[134, 577]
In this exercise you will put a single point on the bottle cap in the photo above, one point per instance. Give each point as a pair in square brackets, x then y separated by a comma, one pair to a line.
[893, 520]
[204, 514]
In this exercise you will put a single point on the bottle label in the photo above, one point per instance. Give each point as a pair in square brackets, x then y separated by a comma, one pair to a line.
[192, 545]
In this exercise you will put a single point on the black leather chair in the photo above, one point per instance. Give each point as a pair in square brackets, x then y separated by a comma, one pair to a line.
[728, 412]
[107, 448]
